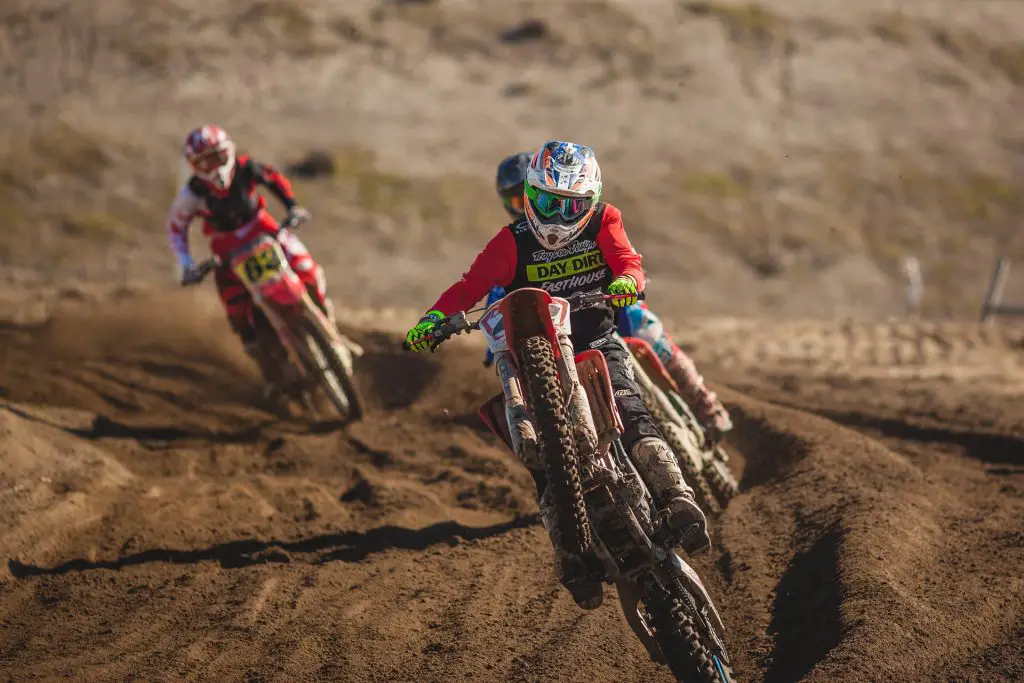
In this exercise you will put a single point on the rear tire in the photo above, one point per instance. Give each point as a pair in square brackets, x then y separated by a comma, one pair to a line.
[557, 445]
[702, 491]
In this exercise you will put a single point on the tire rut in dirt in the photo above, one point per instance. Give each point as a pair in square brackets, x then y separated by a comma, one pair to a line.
[558, 447]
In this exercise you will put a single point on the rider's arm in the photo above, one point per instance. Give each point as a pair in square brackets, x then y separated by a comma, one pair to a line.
[272, 179]
[495, 265]
[620, 255]
[185, 207]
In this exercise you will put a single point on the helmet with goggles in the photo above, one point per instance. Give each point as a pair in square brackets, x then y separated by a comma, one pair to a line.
[563, 187]
[210, 153]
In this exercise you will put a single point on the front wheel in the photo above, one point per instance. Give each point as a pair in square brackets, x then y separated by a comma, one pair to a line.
[323, 361]
[557, 445]
[687, 644]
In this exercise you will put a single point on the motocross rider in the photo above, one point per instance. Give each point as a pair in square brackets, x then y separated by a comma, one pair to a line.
[222, 192]
[566, 242]
[633, 321]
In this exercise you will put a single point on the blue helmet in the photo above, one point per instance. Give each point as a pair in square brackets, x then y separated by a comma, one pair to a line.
[510, 182]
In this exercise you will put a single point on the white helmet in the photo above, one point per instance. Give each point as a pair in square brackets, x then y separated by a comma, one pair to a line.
[211, 154]
[563, 186]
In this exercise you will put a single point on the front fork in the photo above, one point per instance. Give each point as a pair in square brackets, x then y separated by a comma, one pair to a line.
[522, 430]
[584, 429]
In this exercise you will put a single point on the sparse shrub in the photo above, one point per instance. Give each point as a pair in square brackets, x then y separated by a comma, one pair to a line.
[95, 226]
[713, 184]
[1010, 60]
[749, 24]
[894, 27]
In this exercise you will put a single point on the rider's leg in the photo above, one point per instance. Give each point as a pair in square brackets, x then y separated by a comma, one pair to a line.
[650, 453]
[709, 410]
[586, 590]
[308, 270]
[643, 323]
[238, 305]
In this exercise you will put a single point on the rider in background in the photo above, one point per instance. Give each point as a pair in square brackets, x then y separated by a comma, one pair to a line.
[633, 321]
[221, 191]
[566, 225]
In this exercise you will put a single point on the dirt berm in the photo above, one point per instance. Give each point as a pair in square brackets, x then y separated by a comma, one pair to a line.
[158, 526]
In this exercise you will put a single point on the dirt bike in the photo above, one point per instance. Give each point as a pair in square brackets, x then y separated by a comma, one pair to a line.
[705, 464]
[291, 326]
[606, 515]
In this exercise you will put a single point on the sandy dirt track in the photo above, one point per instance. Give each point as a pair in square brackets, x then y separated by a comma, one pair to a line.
[161, 527]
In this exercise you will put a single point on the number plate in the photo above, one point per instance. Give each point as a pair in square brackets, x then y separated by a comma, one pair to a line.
[262, 264]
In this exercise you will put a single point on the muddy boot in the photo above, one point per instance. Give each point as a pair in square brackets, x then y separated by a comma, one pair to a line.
[660, 470]
[587, 592]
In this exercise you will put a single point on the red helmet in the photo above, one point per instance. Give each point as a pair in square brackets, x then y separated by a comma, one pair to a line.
[211, 154]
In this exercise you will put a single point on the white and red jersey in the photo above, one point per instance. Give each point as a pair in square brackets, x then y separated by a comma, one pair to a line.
[225, 214]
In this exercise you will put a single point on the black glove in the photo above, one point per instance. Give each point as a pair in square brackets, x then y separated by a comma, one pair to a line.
[192, 275]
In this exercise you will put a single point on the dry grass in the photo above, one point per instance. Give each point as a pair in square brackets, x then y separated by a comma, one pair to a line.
[96, 226]
[894, 27]
[746, 24]
[1009, 59]
[443, 72]
[714, 185]
[966, 46]
[411, 212]
[288, 25]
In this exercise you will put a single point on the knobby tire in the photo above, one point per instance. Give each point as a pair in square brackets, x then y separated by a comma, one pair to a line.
[557, 446]
[681, 644]
[340, 391]
[723, 483]
[702, 491]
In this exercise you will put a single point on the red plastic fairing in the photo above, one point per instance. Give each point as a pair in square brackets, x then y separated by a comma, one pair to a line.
[526, 314]
[493, 414]
[650, 362]
[597, 382]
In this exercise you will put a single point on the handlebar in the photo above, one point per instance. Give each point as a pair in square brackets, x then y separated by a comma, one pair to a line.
[458, 323]
[199, 272]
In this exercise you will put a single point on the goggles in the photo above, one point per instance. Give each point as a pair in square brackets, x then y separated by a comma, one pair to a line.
[208, 162]
[550, 205]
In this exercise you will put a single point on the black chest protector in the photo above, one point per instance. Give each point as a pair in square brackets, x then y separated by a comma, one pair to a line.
[576, 267]
[230, 212]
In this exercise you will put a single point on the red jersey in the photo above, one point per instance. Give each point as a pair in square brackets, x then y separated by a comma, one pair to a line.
[514, 259]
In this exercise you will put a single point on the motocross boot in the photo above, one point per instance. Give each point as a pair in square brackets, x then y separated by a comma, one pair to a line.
[273, 381]
[660, 469]
[710, 412]
[586, 590]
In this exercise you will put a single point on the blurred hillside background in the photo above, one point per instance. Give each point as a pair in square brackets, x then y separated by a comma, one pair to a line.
[777, 158]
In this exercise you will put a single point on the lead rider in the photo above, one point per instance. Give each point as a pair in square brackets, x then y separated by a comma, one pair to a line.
[633, 321]
[569, 241]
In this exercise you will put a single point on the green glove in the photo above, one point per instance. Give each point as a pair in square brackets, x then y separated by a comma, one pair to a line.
[623, 290]
[418, 336]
